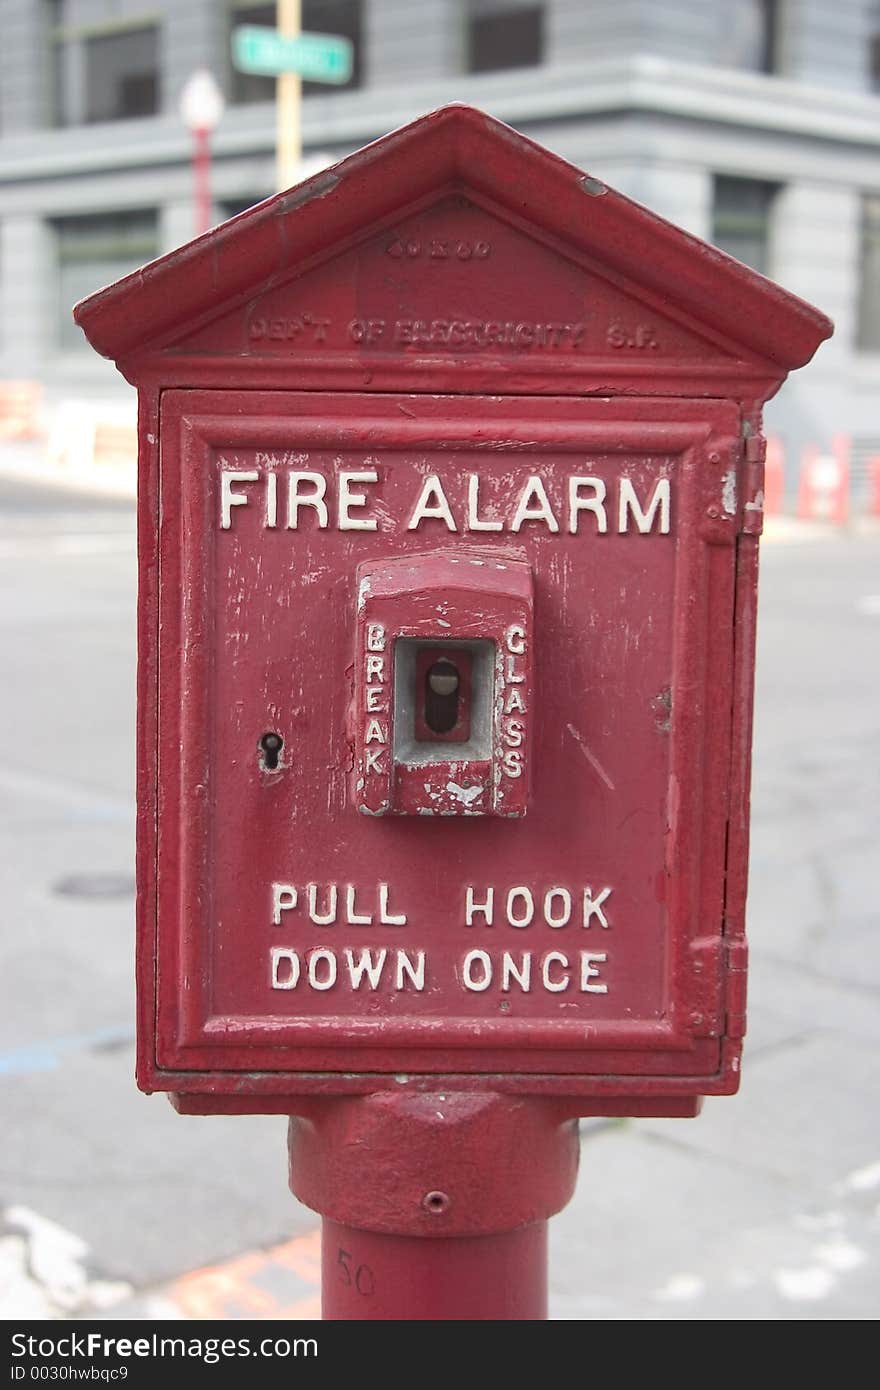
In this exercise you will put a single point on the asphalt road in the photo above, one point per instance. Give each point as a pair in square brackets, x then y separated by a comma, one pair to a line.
[764, 1207]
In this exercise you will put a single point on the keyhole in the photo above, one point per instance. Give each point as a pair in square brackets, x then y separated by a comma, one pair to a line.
[442, 683]
[271, 745]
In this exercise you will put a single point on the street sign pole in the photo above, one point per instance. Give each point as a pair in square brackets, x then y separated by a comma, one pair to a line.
[289, 55]
[288, 100]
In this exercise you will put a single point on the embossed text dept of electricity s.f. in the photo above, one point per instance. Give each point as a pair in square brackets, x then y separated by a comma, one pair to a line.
[461, 334]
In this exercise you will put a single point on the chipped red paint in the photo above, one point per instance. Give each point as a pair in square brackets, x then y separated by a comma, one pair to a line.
[451, 349]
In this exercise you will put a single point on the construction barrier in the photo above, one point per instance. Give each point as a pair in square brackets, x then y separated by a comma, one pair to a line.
[874, 486]
[20, 409]
[774, 476]
[89, 438]
[823, 491]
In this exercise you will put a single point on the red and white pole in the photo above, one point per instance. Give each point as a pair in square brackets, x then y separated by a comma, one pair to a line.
[201, 162]
[201, 107]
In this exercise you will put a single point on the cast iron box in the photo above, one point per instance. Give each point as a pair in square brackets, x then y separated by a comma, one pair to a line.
[450, 495]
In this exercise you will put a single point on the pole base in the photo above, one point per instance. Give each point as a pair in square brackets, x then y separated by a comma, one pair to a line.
[435, 1205]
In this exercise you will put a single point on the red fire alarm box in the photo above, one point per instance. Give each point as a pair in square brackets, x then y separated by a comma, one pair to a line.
[450, 495]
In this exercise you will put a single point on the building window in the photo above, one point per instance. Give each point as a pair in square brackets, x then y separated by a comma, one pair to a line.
[504, 34]
[748, 35]
[53, 58]
[117, 73]
[95, 250]
[122, 74]
[868, 331]
[741, 216]
[874, 48]
[342, 17]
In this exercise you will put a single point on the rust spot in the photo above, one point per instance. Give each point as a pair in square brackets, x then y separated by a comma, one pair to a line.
[662, 707]
[317, 187]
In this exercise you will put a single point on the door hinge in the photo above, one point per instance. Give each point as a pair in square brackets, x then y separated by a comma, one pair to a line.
[754, 453]
[736, 959]
[706, 1016]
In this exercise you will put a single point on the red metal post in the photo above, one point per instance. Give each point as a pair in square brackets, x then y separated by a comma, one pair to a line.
[435, 1206]
[368, 1276]
[202, 179]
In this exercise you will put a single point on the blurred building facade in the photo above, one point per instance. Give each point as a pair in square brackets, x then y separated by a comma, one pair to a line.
[753, 123]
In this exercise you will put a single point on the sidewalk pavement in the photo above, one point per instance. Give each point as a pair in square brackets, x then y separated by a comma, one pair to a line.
[29, 461]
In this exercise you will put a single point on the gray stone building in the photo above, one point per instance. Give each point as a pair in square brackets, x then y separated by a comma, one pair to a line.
[753, 123]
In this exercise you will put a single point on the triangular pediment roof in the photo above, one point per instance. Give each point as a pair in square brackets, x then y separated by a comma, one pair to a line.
[240, 289]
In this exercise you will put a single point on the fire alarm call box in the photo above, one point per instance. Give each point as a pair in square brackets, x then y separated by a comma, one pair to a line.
[450, 495]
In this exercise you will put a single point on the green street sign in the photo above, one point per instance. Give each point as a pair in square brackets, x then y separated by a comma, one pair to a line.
[316, 57]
